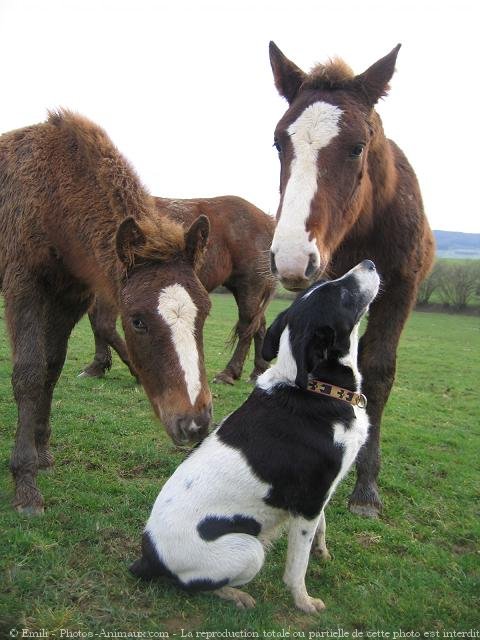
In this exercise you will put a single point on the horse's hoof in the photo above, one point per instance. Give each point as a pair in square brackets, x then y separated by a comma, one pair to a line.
[30, 510]
[224, 378]
[365, 510]
[28, 499]
[91, 373]
[365, 501]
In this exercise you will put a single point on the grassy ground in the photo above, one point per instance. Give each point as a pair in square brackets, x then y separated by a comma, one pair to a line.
[415, 569]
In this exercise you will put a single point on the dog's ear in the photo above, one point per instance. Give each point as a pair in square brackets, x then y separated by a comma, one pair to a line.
[309, 351]
[272, 338]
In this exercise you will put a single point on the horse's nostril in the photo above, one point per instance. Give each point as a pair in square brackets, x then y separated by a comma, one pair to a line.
[273, 266]
[203, 419]
[312, 266]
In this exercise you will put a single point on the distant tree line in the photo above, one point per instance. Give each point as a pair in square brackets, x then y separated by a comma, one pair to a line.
[453, 284]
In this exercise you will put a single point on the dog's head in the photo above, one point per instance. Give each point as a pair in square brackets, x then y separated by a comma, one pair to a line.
[320, 323]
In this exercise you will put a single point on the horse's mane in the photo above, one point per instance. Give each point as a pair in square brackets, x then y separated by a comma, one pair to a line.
[334, 74]
[118, 180]
[165, 239]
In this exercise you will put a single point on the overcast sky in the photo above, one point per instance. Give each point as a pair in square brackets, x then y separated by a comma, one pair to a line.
[185, 89]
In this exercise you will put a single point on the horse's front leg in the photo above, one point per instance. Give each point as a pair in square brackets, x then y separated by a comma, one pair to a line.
[60, 318]
[242, 332]
[102, 360]
[260, 365]
[25, 321]
[377, 363]
[234, 368]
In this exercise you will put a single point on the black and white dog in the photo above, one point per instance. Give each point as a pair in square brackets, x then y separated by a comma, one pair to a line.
[276, 459]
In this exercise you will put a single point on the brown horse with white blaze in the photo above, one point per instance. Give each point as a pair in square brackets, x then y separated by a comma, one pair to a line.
[347, 193]
[75, 220]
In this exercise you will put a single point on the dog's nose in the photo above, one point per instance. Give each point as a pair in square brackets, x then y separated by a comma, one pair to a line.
[369, 265]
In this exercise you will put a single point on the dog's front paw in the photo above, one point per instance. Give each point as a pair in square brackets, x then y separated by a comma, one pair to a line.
[309, 605]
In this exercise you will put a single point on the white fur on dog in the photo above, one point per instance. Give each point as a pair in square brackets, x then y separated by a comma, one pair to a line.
[214, 474]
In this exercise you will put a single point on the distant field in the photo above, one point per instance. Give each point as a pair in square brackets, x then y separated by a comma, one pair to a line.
[415, 569]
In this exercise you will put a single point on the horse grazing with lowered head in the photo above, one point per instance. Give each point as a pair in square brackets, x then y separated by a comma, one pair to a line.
[236, 256]
[348, 193]
[75, 220]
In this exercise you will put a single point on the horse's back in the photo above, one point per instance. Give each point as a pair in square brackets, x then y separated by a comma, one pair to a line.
[23, 160]
[240, 234]
[51, 206]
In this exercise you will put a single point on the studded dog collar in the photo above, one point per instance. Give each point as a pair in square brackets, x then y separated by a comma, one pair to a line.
[337, 393]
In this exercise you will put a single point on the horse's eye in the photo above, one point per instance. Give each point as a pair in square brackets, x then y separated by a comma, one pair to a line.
[277, 146]
[357, 151]
[139, 325]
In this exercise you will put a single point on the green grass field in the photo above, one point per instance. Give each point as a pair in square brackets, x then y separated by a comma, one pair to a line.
[414, 570]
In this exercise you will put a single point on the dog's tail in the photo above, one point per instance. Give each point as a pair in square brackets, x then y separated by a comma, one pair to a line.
[141, 569]
[149, 565]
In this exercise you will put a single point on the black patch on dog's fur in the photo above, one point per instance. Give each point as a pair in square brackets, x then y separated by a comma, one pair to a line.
[204, 584]
[150, 565]
[212, 527]
[287, 439]
[286, 433]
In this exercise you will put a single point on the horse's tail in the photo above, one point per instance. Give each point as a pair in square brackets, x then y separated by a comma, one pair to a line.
[269, 287]
[97, 153]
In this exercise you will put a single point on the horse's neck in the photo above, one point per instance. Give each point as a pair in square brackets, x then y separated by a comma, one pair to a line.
[87, 246]
[381, 168]
[379, 190]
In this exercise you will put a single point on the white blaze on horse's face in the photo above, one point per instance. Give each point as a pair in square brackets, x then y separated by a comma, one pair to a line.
[294, 250]
[177, 309]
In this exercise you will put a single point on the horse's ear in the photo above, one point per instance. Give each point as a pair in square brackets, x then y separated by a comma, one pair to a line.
[373, 83]
[288, 77]
[271, 342]
[129, 239]
[196, 239]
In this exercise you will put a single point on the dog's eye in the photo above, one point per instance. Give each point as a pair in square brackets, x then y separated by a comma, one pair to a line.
[277, 146]
[139, 325]
[357, 150]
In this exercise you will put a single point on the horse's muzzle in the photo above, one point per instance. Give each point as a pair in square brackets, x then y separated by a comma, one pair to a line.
[190, 428]
[293, 280]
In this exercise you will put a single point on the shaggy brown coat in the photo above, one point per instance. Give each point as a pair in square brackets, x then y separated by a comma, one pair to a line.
[74, 220]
